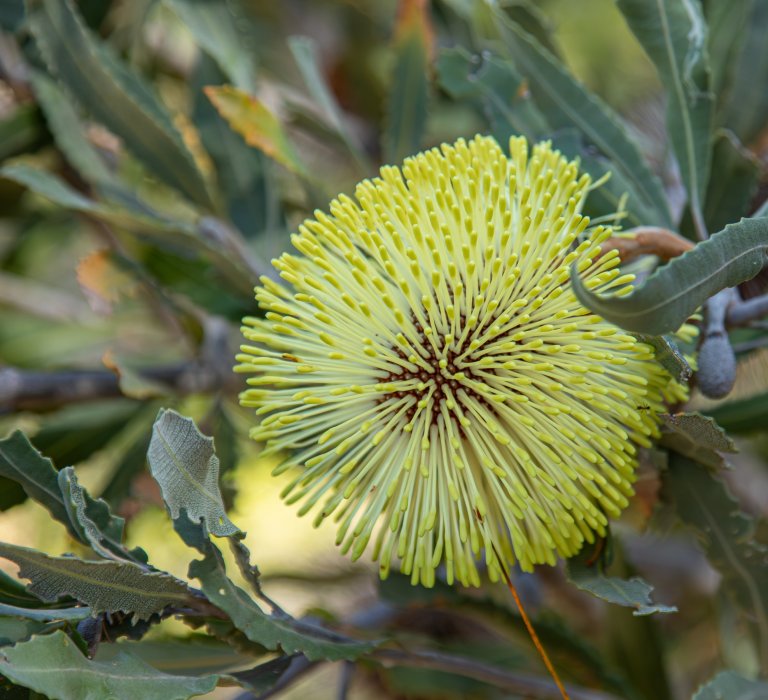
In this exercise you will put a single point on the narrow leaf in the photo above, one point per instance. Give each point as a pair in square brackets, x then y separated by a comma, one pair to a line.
[565, 102]
[54, 666]
[632, 593]
[703, 503]
[668, 355]
[674, 34]
[22, 463]
[184, 463]
[698, 437]
[103, 585]
[256, 124]
[217, 26]
[409, 91]
[45, 614]
[115, 96]
[728, 685]
[672, 293]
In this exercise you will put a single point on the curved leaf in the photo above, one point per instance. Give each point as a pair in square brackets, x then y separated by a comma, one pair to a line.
[631, 593]
[672, 293]
[184, 463]
[698, 437]
[674, 34]
[54, 666]
[115, 96]
[105, 586]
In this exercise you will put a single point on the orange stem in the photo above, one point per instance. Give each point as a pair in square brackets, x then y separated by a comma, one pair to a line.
[532, 632]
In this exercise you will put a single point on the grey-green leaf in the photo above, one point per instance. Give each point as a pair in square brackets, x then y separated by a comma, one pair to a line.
[747, 415]
[54, 666]
[631, 593]
[22, 463]
[698, 437]
[674, 34]
[115, 96]
[94, 520]
[184, 463]
[105, 586]
[668, 355]
[565, 102]
[672, 293]
[45, 614]
[727, 536]
[728, 685]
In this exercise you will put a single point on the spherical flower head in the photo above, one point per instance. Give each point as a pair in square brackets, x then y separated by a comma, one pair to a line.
[432, 381]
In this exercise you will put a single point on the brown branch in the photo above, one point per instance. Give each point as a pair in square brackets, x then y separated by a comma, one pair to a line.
[648, 240]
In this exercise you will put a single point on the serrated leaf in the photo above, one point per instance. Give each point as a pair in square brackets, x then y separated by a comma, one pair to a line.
[105, 586]
[68, 131]
[733, 182]
[271, 631]
[256, 124]
[115, 96]
[698, 437]
[184, 463]
[22, 463]
[744, 109]
[409, 90]
[631, 593]
[674, 291]
[674, 35]
[668, 355]
[727, 536]
[53, 665]
[565, 102]
[728, 685]
[93, 518]
[218, 29]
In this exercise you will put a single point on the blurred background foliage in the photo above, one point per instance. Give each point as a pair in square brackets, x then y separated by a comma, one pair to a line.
[134, 223]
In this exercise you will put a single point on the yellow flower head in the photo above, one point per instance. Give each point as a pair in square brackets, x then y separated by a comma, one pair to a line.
[432, 377]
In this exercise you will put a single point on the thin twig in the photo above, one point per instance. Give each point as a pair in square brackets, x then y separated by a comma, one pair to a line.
[519, 683]
[345, 681]
[744, 312]
[299, 666]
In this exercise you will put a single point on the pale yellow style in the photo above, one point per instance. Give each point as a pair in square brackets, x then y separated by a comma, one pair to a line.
[430, 378]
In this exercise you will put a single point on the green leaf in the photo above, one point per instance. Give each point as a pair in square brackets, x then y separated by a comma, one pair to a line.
[674, 291]
[733, 182]
[565, 102]
[406, 110]
[698, 437]
[668, 355]
[256, 124]
[184, 463]
[22, 463]
[728, 685]
[744, 109]
[245, 175]
[633, 593]
[743, 415]
[12, 15]
[495, 85]
[115, 96]
[105, 586]
[45, 614]
[53, 665]
[16, 629]
[68, 131]
[727, 536]
[305, 52]
[21, 130]
[218, 28]
[674, 35]
[95, 522]
[727, 22]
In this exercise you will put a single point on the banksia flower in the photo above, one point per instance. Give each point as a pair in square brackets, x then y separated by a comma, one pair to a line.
[430, 377]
